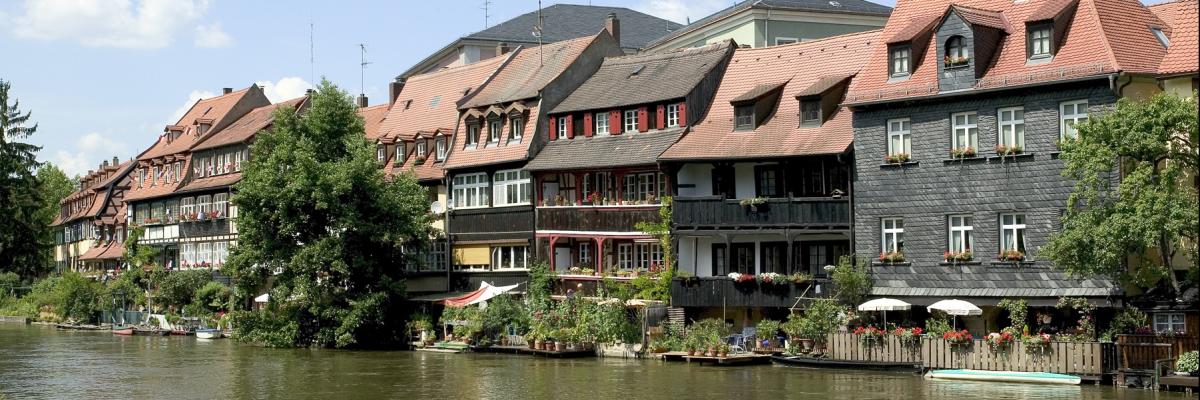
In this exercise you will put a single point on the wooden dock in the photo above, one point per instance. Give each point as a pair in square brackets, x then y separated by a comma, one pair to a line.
[732, 359]
[536, 352]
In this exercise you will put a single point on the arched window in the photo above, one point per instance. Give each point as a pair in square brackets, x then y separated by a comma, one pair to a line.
[956, 52]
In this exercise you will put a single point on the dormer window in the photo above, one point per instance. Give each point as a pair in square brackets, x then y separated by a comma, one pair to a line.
[380, 153]
[202, 128]
[672, 115]
[494, 126]
[561, 128]
[957, 54]
[810, 112]
[630, 121]
[420, 147]
[516, 128]
[743, 118]
[900, 60]
[472, 134]
[441, 148]
[1040, 40]
[400, 151]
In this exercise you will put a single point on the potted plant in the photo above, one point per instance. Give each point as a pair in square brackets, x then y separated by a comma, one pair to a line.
[588, 271]
[767, 329]
[752, 203]
[891, 257]
[575, 270]
[1002, 150]
[956, 256]
[959, 339]
[1187, 364]
[1000, 342]
[771, 278]
[800, 278]
[1036, 343]
[722, 350]
[898, 158]
[962, 152]
[1010, 255]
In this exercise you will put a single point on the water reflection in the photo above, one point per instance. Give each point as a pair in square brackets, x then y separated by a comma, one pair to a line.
[39, 362]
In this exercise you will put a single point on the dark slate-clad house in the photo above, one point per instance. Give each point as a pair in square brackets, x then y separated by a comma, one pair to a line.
[957, 120]
[762, 182]
[598, 176]
[501, 126]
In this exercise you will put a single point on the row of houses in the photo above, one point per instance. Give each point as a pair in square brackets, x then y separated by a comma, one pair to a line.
[937, 121]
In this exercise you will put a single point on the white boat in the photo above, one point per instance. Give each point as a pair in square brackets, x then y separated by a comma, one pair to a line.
[208, 334]
[1003, 376]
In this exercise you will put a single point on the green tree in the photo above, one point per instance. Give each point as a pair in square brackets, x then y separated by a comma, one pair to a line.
[54, 186]
[22, 234]
[138, 255]
[76, 297]
[178, 288]
[852, 280]
[1149, 214]
[318, 218]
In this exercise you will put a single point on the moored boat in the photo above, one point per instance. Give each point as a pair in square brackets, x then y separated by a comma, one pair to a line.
[1003, 376]
[208, 334]
[124, 330]
[150, 331]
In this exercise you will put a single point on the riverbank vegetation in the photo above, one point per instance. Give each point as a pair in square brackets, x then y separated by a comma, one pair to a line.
[325, 231]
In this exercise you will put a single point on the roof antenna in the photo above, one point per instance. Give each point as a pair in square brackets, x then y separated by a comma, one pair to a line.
[362, 73]
[312, 69]
[486, 15]
[537, 32]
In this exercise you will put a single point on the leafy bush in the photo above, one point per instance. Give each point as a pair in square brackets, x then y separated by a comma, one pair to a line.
[212, 297]
[75, 297]
[271, 329]
[1128, 320]
[767, 328]
[1188, 362]
[1018, 311]
[709, 332]
[178, 288]
[938, 324]
[852, 279]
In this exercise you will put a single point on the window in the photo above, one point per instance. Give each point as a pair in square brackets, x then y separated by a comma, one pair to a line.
[179, 169]
[472, 134]
[585, 253]
[768, 181]
[966, 130]
[511, 187]
[631, 121]
[400, 152]
[625, 255]
[893, 235]
[743, 118]
[1012, 127]
[1169, 323]
[901, 58]
[672, 115]
[441, 148]
[960, 233]
[510, 257]
[1162, 37]
[1012, 232]
[154, 176]
[421, 148]
[380, 153]
[561, 129]
[516, 128]
[649, 255]
[774, 257]
[785, 40]
[743, 258]
[899, 136]
[1070, 114]
[141, 177]
[470, 190]
[720, 266]
[640, 186]
[810, 112]
[601, 121]
[1039, 41]
[956, 52]
[220, 204]
[494, 127]
[186, 206]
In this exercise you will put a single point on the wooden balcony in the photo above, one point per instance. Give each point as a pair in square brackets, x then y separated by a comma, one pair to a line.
[715, 212]
[595, 218]
[212, 227]
[492, 223]
[722, 291]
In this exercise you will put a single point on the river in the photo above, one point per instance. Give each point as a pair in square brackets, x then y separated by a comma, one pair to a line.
[41, 362]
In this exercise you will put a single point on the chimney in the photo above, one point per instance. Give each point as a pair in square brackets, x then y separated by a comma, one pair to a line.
[227, 90]
[501, 48]
[361, 100]
[613, 26]
[116, 161]
[104, 165]
[394, 89]
[309, 91]
[743, 46]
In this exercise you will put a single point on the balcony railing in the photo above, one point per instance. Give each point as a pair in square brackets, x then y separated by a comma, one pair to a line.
[722, 291]
[595, 218]
[211, 227]
[491, 223]
[796, 212]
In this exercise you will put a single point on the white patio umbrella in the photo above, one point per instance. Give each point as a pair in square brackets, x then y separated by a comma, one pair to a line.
[955, 307]
[885, 305]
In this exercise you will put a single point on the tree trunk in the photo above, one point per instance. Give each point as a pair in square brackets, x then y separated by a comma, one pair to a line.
[1164, 253]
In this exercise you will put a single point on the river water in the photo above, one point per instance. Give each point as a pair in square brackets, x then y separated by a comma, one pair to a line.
[41, 362]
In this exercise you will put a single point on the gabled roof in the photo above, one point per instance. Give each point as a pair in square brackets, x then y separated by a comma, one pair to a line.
[565, 22]
[801, 65]
[624, 150]
[429, 170]
[216, 110]
[244, 128]
[645, 78]
[758, 91]
[373, 118]
[861, 7]
[1180, 17]
[527, 72]
[981, 17]
[99, 188]
[1103, 37]
[430, 101]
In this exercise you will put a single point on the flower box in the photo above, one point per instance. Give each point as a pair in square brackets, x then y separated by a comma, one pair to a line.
[910, 337]
[1010, 255]
[891, 257]
[1036, 344]
[952, 256]
[958, 338]
[898, 158]
[955, 62]
[741, 278]
[1003, 150]
[869, 335]
[1000, 341]
[962, 152]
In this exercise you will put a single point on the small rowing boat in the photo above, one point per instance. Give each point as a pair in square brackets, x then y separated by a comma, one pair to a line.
[1003, 376]
[208, 333]
[124, 330]
[154, 331]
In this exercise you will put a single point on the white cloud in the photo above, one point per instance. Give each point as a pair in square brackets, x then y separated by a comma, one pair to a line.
[680, 10]
[89, 151]
[284, 89]
[193, 97]
[138, 24]
[212, 36]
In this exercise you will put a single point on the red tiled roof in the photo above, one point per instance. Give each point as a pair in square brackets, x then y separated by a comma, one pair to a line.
[430, 101]
[109, 251]
[212, 108]
[160, 189]
[98, 190]
[1104, 36]
[500, 152]
[210, 182]
[373, 118]
[429, 170]
[95, 251]
[1181, 18]
[988, 18]
[244, 128]
[802, 65]
[529, 70]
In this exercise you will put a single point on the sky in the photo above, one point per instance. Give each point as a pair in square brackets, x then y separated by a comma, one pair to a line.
[103, 77]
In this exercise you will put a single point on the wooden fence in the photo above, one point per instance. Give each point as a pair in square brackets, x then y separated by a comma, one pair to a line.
[1140, 351]
[1090, 359]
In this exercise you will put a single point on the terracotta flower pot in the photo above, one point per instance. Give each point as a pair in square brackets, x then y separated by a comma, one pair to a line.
[558, 346]
[535, 344]
[806, 344]
[712, 352]
[691, 352]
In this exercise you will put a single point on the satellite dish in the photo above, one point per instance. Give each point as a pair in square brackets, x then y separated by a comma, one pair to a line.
[436, 208]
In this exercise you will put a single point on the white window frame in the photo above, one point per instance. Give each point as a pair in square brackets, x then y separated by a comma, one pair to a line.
[221, 204]
[1067, 121]
[891, 228]
[1016, 227]
[561, 129]
[470, 190]
[601, 121]
[625, 255]
[441, 147]
[1010, 127]
[961, 227]
[204, 204]
[630, 121]
[1041, 42]
[1167, 322]
[472, 135]
[585, 253]
[187, 206]
[785, 40]
[966, 128]
[672, 115]
[495, 127]
[647, 253]
[400, 151]
[899, 132]
[505, 182]
[897, 61]
[498, 258]
[516, 128]
[380, 153]
[421, 147]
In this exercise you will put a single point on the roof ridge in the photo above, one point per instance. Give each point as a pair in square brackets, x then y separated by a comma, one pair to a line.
[690, 51]
[477, 64]
[811, 43]
[1170, 3]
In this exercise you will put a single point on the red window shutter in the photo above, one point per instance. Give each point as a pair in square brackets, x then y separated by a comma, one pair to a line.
[643, 114]
[661, 121]
[587, 124]
[553, 128]
[570, 126]
[614, 122]
[683, 114]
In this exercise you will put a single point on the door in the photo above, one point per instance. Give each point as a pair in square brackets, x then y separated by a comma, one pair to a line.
[562, 258]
